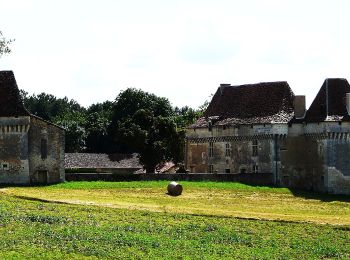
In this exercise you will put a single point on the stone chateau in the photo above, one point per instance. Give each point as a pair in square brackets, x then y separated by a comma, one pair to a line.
[265, 128]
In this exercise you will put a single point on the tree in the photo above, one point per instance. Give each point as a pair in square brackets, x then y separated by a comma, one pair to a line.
[98, 118]
[75, 133]
[185, 116]
[49, 107]
[132, 100]
[154, 138]
[4, 45]
[143, 123]
[202, 108]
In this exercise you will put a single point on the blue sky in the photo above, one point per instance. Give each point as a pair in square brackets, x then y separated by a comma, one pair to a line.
[91, 50]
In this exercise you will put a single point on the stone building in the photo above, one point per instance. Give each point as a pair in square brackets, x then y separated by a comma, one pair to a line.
[265, 128]
[31, 149]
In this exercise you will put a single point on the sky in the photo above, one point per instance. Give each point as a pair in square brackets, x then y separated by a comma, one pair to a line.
[90, 50]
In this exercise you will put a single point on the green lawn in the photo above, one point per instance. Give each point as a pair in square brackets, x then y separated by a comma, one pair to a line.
[114, 227]
[201, 198]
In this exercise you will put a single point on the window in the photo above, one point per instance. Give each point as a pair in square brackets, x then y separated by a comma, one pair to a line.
[243, 170]
[255, 147]
[5, 166]
[227, 170]
[228, 150]
[255, 168]
[211, 149]
[211, 168]
[43, 149]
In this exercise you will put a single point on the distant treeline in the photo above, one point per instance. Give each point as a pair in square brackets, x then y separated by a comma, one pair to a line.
[136, 121]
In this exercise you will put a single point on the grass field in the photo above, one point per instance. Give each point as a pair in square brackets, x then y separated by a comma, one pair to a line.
[139, 220]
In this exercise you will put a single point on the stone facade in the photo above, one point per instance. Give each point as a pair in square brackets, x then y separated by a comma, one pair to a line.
[31, 149]
[302, 149]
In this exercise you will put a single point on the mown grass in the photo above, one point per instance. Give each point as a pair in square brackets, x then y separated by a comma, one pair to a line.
[203, 198]
[32, 229]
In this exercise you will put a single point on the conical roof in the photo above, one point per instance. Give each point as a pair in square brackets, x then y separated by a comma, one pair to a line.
[11, 104]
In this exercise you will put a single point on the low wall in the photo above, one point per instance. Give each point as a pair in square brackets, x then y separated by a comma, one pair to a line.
[246, 178]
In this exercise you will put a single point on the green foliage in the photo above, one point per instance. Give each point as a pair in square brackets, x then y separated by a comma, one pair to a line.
[129, 101]
[75, 133]
[4, 45]
[48, 107]
[143, 123]
[185, 116]
[98, 119]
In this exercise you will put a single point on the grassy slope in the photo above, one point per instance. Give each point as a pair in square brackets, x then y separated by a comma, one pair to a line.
[32, 229]
[203, 198]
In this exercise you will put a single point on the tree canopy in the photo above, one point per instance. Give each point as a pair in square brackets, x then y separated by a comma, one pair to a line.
[136, 121]
[129, 101]
[4, 45]
[143, 123]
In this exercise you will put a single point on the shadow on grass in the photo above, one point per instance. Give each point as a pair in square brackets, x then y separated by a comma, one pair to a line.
[320, 196]
[37, 185]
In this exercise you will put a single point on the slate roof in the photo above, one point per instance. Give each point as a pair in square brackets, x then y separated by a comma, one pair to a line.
[10, 100]
[329, 104]
[261, 103]
[101, 161]
[164, 167]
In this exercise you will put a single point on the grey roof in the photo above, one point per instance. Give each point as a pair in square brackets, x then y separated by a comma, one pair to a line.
[101, 161]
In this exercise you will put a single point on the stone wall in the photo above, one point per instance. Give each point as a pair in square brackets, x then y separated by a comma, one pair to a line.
[302, 163]
[230, 156]
[46, 152]
[232, 148]
[312, 156]
[14, 166]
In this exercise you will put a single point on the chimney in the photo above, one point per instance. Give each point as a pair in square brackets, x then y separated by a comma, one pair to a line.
[299, 106]
[222, 86]
[347, 100]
